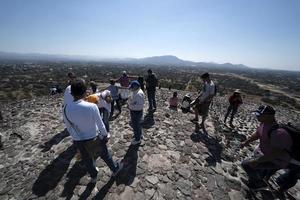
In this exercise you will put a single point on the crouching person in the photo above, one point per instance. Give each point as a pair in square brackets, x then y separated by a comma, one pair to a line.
[84, 124]
[272, 152]
[136, 106]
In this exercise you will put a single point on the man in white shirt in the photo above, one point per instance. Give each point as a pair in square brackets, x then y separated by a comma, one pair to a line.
[136, 105]
[203, 101]
[84, 123]
[67, 94]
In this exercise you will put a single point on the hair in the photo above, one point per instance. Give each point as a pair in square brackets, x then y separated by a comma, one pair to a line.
[78, 87]
[71, 75]
[149, 71]
[93, 86]
[174, 94]
[112, 81]
[205, 75]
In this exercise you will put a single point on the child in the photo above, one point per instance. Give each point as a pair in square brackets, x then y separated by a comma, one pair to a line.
[114, 91]
[186, 103]
[104, 106]
[173, 101]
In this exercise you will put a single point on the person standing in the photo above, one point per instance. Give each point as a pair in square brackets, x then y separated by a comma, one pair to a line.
[203, 101]
[235, 100]
[104, 106]
[67, 94]
[84, 123]
[114, 92]
[151, 84]
[136, 105]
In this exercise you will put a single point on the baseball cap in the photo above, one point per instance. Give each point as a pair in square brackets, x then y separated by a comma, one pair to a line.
[134, 83]
[264, 110]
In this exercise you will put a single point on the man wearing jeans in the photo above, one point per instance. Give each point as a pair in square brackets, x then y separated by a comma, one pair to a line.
[272, 152]
[84, 123]
[151, 84]
[136, 105]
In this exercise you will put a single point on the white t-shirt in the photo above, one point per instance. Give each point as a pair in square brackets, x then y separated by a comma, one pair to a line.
[208, 92]
[86, 120]
[136, 100]
[68, 98]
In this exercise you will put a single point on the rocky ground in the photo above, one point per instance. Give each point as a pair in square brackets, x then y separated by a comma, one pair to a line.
[176, 160]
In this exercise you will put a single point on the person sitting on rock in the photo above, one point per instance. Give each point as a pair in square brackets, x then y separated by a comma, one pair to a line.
[136, 105]
[272, 152]
[114, 91]
[173, 101]
[235, 100]
[84, 123]
[104, 106]
[202, 102]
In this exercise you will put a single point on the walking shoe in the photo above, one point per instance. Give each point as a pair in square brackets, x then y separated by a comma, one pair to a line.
[120, 167]
[108, 135]
[135, 142]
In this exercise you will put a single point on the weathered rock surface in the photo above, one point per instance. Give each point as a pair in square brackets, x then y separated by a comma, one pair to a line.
[176, 160]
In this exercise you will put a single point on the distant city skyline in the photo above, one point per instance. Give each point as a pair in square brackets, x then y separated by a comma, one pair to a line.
[256, 33]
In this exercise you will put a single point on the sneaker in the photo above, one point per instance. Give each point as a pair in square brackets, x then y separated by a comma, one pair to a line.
[94, 180]
[135, 142]
[120, 167]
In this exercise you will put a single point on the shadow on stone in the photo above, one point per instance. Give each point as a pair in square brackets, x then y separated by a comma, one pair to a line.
[73, 177]
[211, 143]
[105, 189]
[148, 121]
[128, 172]
[55, 140]
[52, 174]
[87, 192]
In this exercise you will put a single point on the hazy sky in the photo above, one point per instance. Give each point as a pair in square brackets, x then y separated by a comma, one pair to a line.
[258, 33]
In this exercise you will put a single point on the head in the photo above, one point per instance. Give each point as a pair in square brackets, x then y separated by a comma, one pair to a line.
[78, 88]
[265, 114]
[205, 77]
[71, 77]
[106, 96]
[237, 92]
[134, 85]
[93, 86]
[174, 94]
[112, 81]
[124, 73]
[149, 71]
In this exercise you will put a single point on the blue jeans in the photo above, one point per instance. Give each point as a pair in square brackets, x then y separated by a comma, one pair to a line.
[89, 162]
[136, 118]
[233, 110]
[105, 117]
[151, 99]
[261, 171]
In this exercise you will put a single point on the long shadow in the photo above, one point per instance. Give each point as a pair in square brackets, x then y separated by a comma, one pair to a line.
[148, 121]
[52, 174]
[73, 178]
[126, 175]
[54, 140]
[211, 143]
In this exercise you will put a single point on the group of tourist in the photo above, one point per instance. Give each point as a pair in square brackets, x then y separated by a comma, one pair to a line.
[87, 117]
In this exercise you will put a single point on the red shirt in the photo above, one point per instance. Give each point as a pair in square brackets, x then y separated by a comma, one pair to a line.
[235, 100]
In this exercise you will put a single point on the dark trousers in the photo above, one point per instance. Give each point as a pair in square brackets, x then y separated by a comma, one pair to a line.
[261, 171]
[233, 110]
[289, 178]
[117, 101]
[89, 162]
[136, 118]
[151, 99]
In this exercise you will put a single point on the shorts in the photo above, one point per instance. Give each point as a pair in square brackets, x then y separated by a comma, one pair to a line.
[203, 108]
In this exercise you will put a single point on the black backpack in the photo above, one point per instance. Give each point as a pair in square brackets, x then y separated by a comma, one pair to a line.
[294, 132]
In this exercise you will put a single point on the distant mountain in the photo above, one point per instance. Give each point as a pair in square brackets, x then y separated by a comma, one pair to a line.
[154, 60]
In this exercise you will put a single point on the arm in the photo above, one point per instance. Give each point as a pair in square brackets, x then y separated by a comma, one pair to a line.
[99, 121]
[252, 138]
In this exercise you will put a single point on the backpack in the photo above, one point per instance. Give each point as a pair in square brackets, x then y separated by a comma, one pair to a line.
[294, 132]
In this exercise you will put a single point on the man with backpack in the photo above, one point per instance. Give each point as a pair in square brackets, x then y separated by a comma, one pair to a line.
[202, 102]
[151, 84]
[272, 154]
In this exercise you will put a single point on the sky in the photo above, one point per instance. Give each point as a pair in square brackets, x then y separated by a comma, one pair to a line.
[257, 33]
